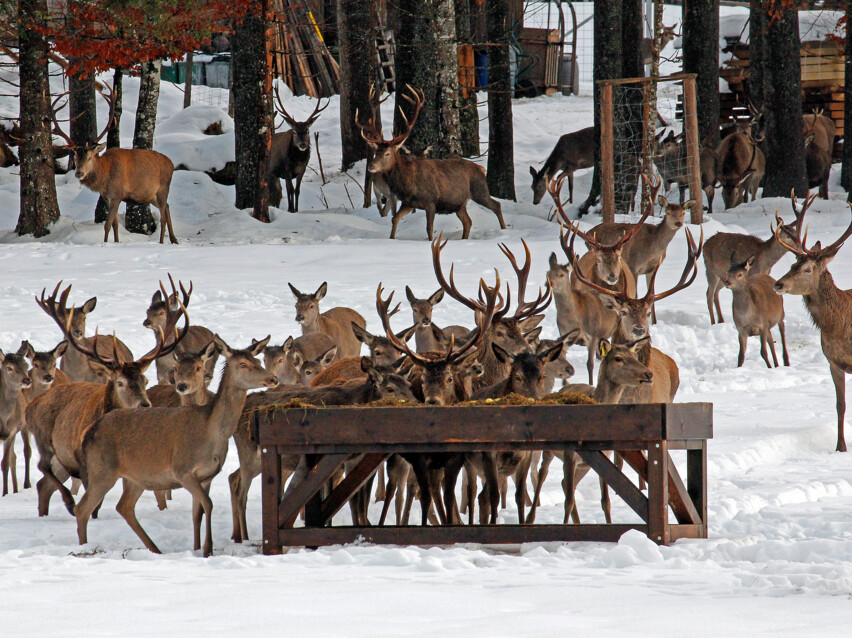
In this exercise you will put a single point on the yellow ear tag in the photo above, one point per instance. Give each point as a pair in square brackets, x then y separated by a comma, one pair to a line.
[603, 349]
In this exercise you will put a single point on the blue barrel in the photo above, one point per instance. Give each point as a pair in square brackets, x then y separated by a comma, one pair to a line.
[480, 61]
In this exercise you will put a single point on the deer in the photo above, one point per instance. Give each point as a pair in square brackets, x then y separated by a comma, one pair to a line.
[167, 448]
[817, 164]
[59, 419]
[14, 379]
[196, 338]
[572, 152]
[74, 363]
[290, 154]
[187, 381]
[280, 360]
[620, 369]
[823, 128]
[122, 175]
[757, 308]
[559, 368]
[434, 185]
[829, 306]
[719, 250]
[336, 323]
[428, 336]
[380, 383]
[741, 163]
[670, 159]
[644, 254]
[647, 49]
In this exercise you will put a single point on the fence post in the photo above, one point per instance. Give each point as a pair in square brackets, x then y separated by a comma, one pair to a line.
[607, 159]
[690, 121]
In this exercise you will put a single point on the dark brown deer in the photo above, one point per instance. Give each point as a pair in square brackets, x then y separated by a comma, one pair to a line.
[573, 151]
[429, 184]
[757, 309]
[717, 259]
[818, 165]
[14, 379]
[823, 128]
[59, 418]
[829, 306]
[428, 337]
[279, 360]
[290, 154]
[123, 175]
[671, 160]
[336, 323]
[741, 164]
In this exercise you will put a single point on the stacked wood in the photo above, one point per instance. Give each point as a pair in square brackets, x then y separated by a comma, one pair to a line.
[300, 57]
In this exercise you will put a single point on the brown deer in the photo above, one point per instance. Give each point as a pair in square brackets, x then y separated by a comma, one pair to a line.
[717, 258]
[336, 323]
[572, 152]
[436, 186]
[122, 175]
[741, 164]
[290, 154]
[817, 164]
[188, 380]
[279, 359]
[14, 379]
[167, 448]
[559, 368]
[829, 306]
[670, 159]
[59, 418]
[620, 369]
[757, 309]
[823, 128]
[429, 337]
[74, 363]
[647, 47]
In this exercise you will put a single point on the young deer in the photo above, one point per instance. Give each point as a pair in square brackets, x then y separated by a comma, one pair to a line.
[122, 175]
[14, 379]
[719, 250]
[436, 186]
[290, 154]
[196, 338]
[188, 380]
[559, 368]
[59, 418]
[74, 363]
[620, 369]
[829, 306]
[336, 323]
[757, 309]
[279, 360]
[167, 448]
[573, 151]
[428, 337]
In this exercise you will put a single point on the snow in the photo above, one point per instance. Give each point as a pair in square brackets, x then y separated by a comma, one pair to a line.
[779, 556]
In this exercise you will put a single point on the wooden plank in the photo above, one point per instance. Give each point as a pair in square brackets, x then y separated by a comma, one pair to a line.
[684, 421]
[696, 480]
[658, 493]
[349, 485]
[693, 152]
[686, 531]
[270, 462]
[679, 498]
[450, 534]
[297, 496]
[622, 486]
[636, 459]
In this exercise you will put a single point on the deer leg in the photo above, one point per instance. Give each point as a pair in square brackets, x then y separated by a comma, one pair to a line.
[76, 484]
[435, 480]
[234, 487]
[9, 462]
[590, 361]
[653, 305]
[430, 220]
[99, 483]
[741, 356]
[51, 482]
[381, 491]
[421, 473]
[199, 493]
[410, 492]
[606, 506]
[28, 453]
[296, 194]
[160, 496]
[838, 376]
[544, 468]
[166, 220]
[389, 494]
[504, 488]
[771, 342]
[469, 490]
[570, 186]
[784, 354]
[127, 508]
[275, 191]
[521, 473]
[402, 486]
[492, 485]
[291, 207]
[763, 353]
[461, 213]
[397, 216]
[569, 465]
[112, 220]
[451, 473]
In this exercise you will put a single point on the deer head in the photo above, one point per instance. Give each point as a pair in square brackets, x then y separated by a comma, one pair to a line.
[84, 155]
[301, 130]
[14, 370]
[387, 151]
[43, 370]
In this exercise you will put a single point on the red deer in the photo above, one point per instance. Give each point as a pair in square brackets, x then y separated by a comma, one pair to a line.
[187, 380]
[818, 165]
[279, 360]
[573, 151]
[336, 323]
[717, 259]
[123, 175]
[757, 309]
[741, 164]
[647, 48]
[823, 128]
[430, 184]
[429, 337]
[59, 419]
[829, 306]
[290, 154]
[167, 448]
[671, 160]
[14, 379]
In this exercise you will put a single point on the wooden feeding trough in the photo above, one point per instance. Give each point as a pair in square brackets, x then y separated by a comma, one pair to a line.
[643, 434]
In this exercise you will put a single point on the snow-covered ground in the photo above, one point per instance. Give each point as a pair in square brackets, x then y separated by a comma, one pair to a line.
[779, 556]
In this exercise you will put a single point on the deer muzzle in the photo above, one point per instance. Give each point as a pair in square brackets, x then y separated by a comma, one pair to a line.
[648, 377]
[181, 388]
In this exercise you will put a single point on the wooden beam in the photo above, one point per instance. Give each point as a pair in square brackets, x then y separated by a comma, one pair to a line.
[297, 496]
[607, 156]
[682, 506]
[349, 485]
[622, 486]
[270, 467]
[658, 493]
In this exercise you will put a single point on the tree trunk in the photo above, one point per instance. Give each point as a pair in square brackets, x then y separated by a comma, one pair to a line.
[447, 58]
[628, 120]
[252, 113]
[607, 66]
[468, 111]
[757, 76]
[356, 72]
[501, 161]
[82, 109]
[415, 64]
[701, 56]
[785, 151]
[187, 81]
[846, 167]
[138, 218]
[113, 137]
[39, 207]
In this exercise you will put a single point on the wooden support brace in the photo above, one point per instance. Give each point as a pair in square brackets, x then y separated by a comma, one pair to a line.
[299, 495]
[601, 464]
[349, 485]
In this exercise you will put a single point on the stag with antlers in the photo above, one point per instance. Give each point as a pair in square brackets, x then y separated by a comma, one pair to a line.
[122, 175]
[290, 154]
[434, 185]
[829, 306]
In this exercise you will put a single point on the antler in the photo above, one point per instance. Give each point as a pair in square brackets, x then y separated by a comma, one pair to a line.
[568, 249]
[371, 132]
[525, 309]
[450, 288]
[172, 317]
[279, 106]
[57, 130]
[693, 253]
[108, 96]
[800, 241]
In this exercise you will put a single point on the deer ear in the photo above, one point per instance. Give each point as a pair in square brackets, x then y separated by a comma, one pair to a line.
[209, 351]
[294, 290]
[410, 295]
[502, 354]
[533, 172]
[297, 360]
[99, 369]
[662, 201]
[552, 354]
[532, 336]
[157, 298]
[222, 347]
[174, 355]
[405, 335]
[609, 302]
[688, 204]
[60, 349]
[99, 148]
[436, 297]
[554, 261]
[603, 349]
[638, 344]
[320, 293]
[89, 305]
[327, 357]
[362, 335]
[26, 350]
[570, 338]
[373, 146]
[257, 348]
[750, 262]
[288, 344]
[531, 322]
